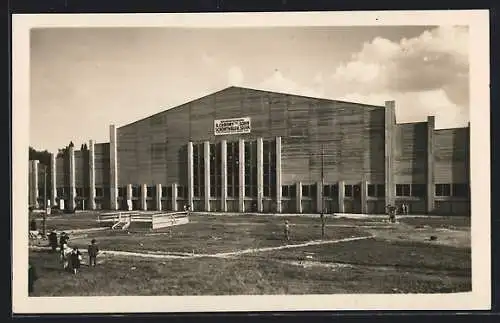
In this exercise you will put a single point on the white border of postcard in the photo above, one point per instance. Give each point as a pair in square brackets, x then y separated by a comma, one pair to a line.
[479, 298]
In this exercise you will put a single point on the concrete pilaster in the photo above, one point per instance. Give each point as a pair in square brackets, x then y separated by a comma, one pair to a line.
[241, 174]
[53, 172]
[144, 197]
[223, 156]
[341, 188]
[174, 197]
[260, 174]
[364, 197]
[190, 181]
[390, 121]
[92, 204]
[129, 196]
[298, 197]
[34, 183]
[430, 163]
[72, 179]
[206, 155]
[113, 164]
[278, 175]
[158, 197]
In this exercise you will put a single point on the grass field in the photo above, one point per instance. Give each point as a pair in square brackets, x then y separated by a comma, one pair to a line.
[229, 255]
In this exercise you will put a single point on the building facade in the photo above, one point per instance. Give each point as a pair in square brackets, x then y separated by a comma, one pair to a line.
[245, 150]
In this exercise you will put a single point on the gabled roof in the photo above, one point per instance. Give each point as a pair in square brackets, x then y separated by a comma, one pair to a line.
[253, 90]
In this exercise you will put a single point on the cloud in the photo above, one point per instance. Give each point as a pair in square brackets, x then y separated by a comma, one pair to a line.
[279, 83]
[235, 76]
[428, 74]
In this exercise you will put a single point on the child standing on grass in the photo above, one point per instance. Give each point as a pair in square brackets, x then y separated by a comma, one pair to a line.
[75, 260]
[93, 250]
[287, 230]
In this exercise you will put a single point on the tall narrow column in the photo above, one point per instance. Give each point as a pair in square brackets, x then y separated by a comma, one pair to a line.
[430, 163]
[241, 175]
[72, 186]
[223, 159]
[190, 180]
[206, 158]
[144, 197]
[53, 170]
[34, 183]
[260, 174]
[113, 164]
[390, 121]
[364, 196]
[158, 197]
[278, 175]
[341, 189]
[129, 197]
[298, 197]
[319, 197]
[92, 205]
[174, 197]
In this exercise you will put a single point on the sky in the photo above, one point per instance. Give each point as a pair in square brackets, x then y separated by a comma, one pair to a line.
[84, 79]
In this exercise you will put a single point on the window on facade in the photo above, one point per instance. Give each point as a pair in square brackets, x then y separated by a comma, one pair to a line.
[266, 191]
[460, 190]
[121, 191]
[79, 191]
[403, 189]
[135, 191]
[269, 165]
[250, 168]
[309, 190]
[418, 190]
[356, 191]
[330, 190]
[380, 190]
[181, 192]
[150, 191]
[232, 169]
[348, 190]
[60, 191]
[198, 170]
[99, 191]
[443, 189]
[372, 190]
[285, 191]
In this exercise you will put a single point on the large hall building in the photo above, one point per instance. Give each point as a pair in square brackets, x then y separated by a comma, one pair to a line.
[246, 150]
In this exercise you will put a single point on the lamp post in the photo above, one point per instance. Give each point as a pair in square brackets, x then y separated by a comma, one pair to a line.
[44, 199]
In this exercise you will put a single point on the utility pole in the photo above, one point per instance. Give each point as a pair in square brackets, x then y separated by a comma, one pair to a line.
[322, 179]
[322, 192]
[44, 198]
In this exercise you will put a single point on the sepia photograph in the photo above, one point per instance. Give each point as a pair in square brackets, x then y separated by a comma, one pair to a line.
[245, 161]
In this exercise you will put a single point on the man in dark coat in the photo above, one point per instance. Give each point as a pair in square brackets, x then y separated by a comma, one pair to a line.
[93, 250]
[53, 240]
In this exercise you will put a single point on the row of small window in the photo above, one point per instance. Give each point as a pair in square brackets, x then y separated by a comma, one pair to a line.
[373, 190]
[100, 191]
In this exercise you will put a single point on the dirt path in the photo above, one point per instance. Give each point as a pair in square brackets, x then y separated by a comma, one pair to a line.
[216, 255]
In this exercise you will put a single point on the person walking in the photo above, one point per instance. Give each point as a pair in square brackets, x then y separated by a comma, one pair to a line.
[93, 250]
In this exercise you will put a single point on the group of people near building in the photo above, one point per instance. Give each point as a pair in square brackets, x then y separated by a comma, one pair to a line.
[70, 257]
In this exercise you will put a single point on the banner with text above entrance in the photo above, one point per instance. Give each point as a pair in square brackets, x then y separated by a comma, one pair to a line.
[232, 126]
